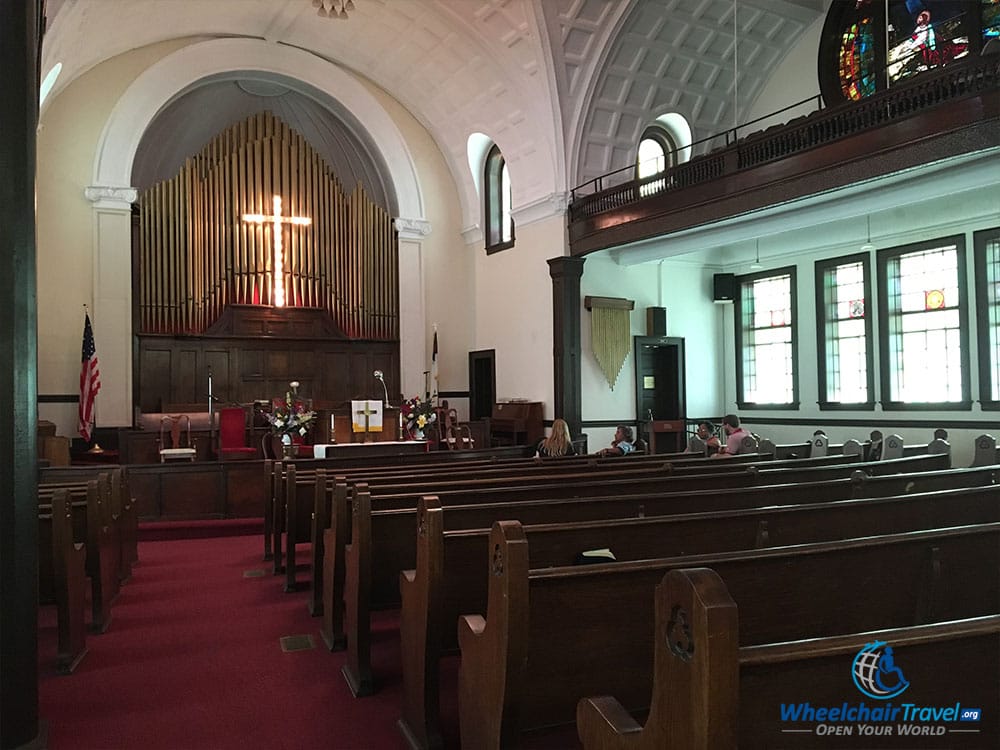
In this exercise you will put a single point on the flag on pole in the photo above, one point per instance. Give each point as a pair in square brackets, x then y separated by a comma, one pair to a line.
[90, 379]
[434, 367]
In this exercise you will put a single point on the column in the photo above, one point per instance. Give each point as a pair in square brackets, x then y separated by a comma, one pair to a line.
[112, 308]
[19, 51]
[412, 308]
[566, 273]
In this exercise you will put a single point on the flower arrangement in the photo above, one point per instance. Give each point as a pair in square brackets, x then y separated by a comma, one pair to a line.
[417, 414]
[290, 414]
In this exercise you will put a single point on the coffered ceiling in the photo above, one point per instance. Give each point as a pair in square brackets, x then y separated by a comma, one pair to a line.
[565, 87]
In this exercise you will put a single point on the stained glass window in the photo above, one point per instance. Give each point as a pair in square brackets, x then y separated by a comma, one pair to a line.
[766, 340]
[845, 371]
[924, 344]
[925, 34]
[857, 60]
[991, 20]
[869, 45]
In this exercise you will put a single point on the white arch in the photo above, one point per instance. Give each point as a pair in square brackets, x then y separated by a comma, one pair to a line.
[175, 73]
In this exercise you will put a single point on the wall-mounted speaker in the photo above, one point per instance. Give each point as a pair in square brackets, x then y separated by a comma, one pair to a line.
[724, 287]
[656, 321]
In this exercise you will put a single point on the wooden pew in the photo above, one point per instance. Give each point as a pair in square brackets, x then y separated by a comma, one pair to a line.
[121, 504]
[62, 578]
[723, 696]
[392, 536]
[347, 465]
[95, 527]
[545, 643]
[450, 579]
[291, 493]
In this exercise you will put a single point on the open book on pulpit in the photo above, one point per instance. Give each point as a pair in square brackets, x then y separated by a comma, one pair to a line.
[366, 416]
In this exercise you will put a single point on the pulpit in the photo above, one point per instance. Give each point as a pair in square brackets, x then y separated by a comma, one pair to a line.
[334, 424]
[666, 435]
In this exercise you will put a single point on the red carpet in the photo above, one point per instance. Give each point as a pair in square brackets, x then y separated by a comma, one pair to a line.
[193, 661]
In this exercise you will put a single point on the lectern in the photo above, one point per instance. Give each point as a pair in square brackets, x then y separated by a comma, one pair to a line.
[666, 435]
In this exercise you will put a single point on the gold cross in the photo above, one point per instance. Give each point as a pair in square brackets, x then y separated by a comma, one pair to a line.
[278, 268]
[366, 412]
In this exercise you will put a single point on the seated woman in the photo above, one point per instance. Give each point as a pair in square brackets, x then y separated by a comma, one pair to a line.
[622, 444]
[558, 443]
[706, 434]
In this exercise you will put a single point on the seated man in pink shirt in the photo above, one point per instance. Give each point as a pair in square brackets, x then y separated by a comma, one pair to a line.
[734, 436]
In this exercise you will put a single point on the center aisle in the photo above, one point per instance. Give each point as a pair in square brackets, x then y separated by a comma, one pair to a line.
[193, 661]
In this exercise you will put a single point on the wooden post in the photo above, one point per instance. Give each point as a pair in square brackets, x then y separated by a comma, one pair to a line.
[20, 31]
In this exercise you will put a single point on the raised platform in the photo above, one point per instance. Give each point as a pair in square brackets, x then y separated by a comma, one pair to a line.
[161, 531]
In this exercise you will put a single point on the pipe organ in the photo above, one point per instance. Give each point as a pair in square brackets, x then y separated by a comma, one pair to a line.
[197, 254]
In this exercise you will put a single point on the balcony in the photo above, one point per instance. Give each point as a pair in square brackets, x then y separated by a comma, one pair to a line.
[935, 116]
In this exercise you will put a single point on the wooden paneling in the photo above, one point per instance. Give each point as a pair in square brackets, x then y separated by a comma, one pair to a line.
[186, 375]
[194, 492]
[245, 490]
[154, 377]
[329, 367]
[200, 490]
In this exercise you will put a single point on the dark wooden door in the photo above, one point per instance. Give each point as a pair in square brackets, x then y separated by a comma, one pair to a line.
[660, 388]
[482, 384]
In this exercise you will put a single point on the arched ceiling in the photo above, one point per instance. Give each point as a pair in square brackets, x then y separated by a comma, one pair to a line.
[563, 86]
[189, 122]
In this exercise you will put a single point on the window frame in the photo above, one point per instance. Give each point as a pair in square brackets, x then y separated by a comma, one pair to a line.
[980, 240]
[665, 141]
[821, 267]
[741, 401]
[882, 259]
[493, 168]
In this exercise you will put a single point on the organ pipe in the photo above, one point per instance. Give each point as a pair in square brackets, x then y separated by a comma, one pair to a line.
[197, 255]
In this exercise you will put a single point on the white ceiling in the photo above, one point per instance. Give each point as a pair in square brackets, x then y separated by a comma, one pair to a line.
[563, 86]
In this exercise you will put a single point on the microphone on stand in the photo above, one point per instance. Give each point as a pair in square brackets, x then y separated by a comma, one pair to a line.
[380, 378]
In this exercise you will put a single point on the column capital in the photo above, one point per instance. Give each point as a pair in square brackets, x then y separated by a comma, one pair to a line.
[412, 229]
[566, 266]
[111, 196]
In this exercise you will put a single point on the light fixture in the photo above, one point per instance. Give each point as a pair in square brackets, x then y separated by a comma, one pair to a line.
[756, 266]
[333, 8]
[868, 246]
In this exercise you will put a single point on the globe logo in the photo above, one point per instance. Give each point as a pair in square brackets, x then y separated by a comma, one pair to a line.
[875, 672]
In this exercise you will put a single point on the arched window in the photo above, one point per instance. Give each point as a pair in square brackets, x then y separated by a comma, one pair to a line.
[656, 152]
[870, 45]
[497, 193]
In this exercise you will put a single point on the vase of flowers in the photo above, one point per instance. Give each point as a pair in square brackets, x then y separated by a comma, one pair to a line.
[417, 415]
[290, 416]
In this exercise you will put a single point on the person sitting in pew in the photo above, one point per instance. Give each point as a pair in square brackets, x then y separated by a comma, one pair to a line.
[706, 433]
[734, 436]
[622, 444]
[558, 443]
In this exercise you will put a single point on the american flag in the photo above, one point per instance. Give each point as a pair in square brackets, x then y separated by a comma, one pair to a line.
[90, 379]
[434, 367]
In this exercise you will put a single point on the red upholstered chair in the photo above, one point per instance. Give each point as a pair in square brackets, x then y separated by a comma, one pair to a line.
[233, 434]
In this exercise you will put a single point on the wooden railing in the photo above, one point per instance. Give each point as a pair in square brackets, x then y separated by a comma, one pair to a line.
[619, 189]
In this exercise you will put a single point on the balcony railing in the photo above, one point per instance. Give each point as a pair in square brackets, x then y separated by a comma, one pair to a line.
[621, 188]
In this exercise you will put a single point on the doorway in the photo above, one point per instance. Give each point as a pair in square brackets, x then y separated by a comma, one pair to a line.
[482, 384]
[660, 399]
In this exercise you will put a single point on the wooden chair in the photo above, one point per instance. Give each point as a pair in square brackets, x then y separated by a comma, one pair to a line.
[175, 438]
[233, 434]
[454, 434]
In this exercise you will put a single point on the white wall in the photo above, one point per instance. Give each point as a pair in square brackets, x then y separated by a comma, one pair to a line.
[795, 80]
[514, 309]
[684, 288]
[964, 214]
